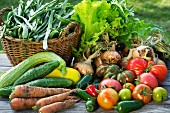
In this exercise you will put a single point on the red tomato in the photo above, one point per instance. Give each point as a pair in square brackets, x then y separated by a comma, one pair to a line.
[137, 65]
[107, 98]
[142, 92]
[160, 72]
[110, 83]
[148, 79]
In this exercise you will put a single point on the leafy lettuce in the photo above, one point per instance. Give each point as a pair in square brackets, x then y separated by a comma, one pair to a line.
[105, 16]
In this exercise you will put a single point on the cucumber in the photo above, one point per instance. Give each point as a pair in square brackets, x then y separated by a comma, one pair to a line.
[37, 72]
[51, 82]
[6, 91]
[87, 79]
[128, 106]
[17, 71]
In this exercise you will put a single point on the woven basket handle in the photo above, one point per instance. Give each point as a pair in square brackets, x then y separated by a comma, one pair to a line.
[2, 12]
[77, 29]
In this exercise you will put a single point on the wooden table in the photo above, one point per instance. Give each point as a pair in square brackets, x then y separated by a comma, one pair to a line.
[152, 107]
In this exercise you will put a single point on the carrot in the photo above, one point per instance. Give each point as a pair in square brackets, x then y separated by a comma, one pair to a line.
[23, 103]
[57, 106]
[51, 99]
[24, 91]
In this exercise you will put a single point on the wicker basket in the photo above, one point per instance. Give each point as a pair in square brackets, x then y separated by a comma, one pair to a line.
[17, 49]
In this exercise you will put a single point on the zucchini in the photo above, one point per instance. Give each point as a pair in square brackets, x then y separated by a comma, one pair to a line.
[51, 82]
[128, 106]
[14, 73]
[37, 72]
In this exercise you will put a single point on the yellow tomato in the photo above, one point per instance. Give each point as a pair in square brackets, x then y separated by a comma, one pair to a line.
[73, 75]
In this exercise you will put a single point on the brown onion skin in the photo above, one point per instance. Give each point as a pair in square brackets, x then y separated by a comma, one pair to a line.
[144, 52]
[111, 57]
[84, 68]
[101, 70]
[98, 61]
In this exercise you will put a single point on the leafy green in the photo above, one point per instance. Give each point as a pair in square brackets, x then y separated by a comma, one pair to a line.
[108, 16]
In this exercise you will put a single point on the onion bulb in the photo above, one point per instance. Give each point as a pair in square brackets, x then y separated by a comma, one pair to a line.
[144, 52]
[125, 60]
[86, 66]
[111, 56]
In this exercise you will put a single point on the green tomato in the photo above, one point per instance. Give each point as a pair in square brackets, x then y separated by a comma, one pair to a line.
[125, 94]
[160, 94]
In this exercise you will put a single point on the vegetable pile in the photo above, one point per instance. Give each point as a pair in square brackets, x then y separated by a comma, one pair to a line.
[116, 67]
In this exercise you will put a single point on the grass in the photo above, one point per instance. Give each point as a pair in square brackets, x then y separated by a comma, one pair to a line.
[156, 11]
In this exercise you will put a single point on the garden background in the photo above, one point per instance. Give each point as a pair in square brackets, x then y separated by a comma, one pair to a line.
[156, 11]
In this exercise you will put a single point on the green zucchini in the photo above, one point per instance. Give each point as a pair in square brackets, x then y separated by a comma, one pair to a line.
[14, 73]
[87, 79]
[37, 72]
[51, 82]
[128, 106]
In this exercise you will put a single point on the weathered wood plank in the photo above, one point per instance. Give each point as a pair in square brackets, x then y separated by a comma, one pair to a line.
[4, 61]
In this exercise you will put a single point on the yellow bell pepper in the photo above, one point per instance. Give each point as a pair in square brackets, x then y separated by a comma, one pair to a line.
[55, 73]
[71, 74]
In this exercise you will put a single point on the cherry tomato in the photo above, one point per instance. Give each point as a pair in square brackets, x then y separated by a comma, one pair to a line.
[142, 92]
[110, 83]
[148, 79]
[137, 65]
[160, 72]
[129, 86]
[107, 98]
[125, 94]
[160, 94]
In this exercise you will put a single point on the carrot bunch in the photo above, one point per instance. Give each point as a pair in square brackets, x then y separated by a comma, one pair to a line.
[44, 100]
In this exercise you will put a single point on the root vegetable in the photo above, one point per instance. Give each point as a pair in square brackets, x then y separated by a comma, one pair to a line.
[101, 70]
[86, 67]
[144, 52]
[98, 60]
[23, 103]
[111, 56]
[125, 60]
[57, 106]
[24, 91]
[51, 99]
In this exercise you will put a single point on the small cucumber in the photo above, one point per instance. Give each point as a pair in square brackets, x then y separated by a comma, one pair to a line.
[51, 82]
[83, 94]
[82, 84]
[6, 91]
[128, 106]
[37, 72]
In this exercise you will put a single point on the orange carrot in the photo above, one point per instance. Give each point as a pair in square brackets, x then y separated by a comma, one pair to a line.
[23, 103]
[57, 106]
[24, 91]
[51, 99]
